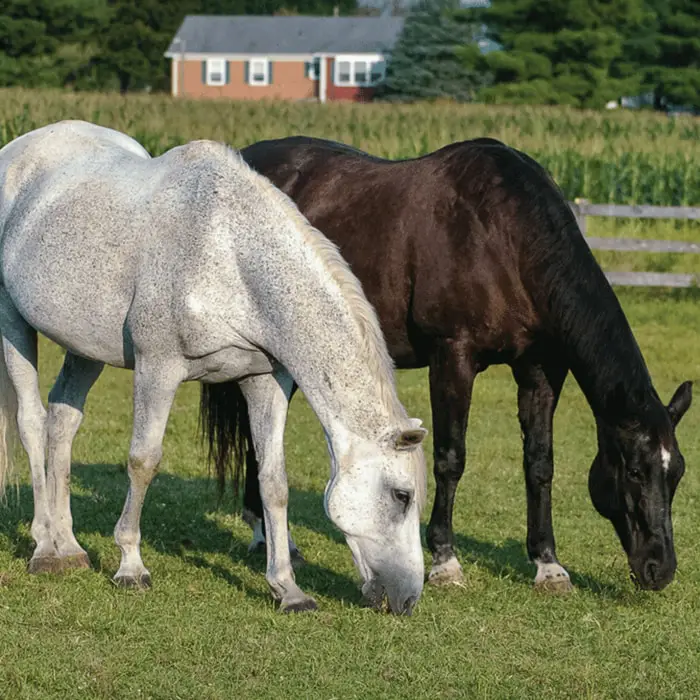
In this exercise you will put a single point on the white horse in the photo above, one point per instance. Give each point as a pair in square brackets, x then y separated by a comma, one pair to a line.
[191, 266]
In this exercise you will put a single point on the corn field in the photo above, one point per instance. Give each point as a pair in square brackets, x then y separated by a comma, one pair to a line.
[622, 157]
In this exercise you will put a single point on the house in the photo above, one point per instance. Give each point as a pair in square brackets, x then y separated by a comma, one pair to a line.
[293, 58]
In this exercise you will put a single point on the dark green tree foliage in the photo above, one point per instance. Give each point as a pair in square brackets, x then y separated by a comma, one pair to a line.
[43, 41]
[676, 73]
[428, 59]
[578, 52]
[133, 42]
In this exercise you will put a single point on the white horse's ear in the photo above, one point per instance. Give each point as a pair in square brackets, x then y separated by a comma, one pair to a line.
[411, 437]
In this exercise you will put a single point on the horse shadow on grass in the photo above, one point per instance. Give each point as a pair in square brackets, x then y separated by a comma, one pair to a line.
[176, 520]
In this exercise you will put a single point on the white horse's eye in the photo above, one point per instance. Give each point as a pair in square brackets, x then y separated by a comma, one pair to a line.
[402, 497]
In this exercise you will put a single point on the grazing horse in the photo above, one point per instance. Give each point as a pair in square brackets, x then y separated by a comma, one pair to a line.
[191, 266]
[472, 257]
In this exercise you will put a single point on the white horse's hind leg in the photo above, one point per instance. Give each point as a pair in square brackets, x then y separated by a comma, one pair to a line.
[66, 402]
[20, 348]
[154, 391]
[268, 399]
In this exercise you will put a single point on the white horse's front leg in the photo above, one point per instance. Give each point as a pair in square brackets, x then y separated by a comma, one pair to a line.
[268, 400]
[154, 391]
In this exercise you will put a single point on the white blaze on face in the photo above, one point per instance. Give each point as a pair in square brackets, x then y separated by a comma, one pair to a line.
[665, 458]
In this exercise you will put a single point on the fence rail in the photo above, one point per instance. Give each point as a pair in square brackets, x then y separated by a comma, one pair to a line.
[583, 209]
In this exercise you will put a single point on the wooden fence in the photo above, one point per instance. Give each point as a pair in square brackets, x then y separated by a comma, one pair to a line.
[583, 209]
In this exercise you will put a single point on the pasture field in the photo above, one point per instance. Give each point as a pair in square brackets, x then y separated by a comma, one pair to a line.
[208, 628]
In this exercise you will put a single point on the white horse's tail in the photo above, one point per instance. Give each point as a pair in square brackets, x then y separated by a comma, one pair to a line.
[8, 422]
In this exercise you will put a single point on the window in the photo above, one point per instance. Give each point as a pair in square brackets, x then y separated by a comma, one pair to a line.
[313, 69]
[358, 71]
[216, 72]
[361, 75]
[259, 71]
[343, 73]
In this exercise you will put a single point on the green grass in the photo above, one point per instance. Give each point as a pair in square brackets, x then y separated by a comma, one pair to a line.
[208, 628]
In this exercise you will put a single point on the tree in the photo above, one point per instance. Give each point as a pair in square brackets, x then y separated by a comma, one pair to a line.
[133, 42]
[675, 77]
[42, 41]
[578, 52]
[427, 61]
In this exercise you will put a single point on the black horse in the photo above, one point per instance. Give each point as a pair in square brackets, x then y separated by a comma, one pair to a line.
[472, 257]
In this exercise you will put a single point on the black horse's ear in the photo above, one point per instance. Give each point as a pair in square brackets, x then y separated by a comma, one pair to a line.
[680, 402]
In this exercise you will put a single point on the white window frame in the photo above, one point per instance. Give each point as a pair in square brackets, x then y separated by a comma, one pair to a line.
[214, 66]
[369, 59]
[265, 62]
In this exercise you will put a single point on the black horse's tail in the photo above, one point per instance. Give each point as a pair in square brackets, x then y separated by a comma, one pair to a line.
[225, 427]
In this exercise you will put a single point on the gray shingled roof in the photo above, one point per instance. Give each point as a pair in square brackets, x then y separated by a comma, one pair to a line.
[281, 35]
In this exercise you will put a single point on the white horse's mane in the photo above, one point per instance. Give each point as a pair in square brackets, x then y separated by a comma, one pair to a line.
[373, 346]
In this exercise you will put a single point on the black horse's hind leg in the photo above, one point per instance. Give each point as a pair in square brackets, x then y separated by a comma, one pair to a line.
[252, 504]
[539, 386]
[253, 509]
[451, 380]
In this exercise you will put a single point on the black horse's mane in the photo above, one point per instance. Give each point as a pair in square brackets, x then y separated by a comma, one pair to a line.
[584, 310]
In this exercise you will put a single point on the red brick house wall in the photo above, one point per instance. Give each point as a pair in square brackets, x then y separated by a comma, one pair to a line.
[289, 82]
[351, 93]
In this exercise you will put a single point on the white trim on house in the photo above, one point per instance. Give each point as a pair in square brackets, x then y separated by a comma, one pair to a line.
[358, 70]
[322, 77]
[259, 71]
[174, 75]
[293, 57]
[216, 71]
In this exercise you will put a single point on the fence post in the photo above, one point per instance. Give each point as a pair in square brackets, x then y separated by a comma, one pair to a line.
[581, 213]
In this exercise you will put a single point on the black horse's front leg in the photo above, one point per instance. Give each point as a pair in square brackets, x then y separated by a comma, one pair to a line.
[539, 387]
[451, 380]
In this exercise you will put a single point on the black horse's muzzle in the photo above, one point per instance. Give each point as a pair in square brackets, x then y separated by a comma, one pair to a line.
[653, 570]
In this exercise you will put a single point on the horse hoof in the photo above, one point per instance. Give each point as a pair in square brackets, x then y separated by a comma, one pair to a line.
[297, 559]
[552, 578]
[75, 561]
[135, 582]
[555, 586]
[447, 573]
[304, 605]
[44, 565]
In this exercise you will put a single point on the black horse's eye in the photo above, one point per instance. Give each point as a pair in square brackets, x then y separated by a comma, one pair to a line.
[634, 474]
[402, 497]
